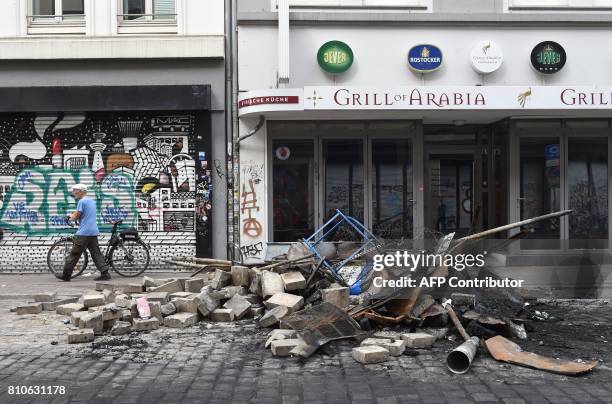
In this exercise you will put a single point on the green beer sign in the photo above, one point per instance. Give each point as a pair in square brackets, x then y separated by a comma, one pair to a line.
[335, 57]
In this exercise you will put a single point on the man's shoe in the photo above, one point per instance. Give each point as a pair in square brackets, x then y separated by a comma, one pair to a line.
[61, 277]
[104, 276]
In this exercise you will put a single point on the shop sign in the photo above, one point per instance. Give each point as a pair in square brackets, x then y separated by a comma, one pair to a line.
[486, 57]
[548, 57]
[335, 57]
[424, 58]
[282, 152]
[249, 102]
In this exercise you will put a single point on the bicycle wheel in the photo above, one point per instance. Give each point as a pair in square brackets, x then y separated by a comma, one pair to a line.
[130, 258]
[56, 257]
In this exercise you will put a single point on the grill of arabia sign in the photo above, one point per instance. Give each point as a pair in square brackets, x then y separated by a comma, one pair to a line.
[424, 58]
[335, 57]
[548, 57]
[486, 57]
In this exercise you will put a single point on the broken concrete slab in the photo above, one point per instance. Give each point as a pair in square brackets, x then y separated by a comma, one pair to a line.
[292, 302]
[94, 300]
[155, 309]
[194, 285]
[126, 315]
[283, 347]
[145, 325]
[33, 308]
[109, 296]
[181, 320]
[370, 354]
[206, 302]
[92, 320]
[387, 335]
[256, 311]
[280, 334]
[221, 279]
[222, 315]
[395, 347]
[100, 286]
[253, 298]
[67, 309]
[273, 316]
[125, 301]
[168, 309]
[44, 297]
[132, 288]
[338, 296]
[418, 340]
[255, 276]
[293, 280]
[81, 336]
[75, 317]
[186, 305]
[238, 305]
[240, 275]
[121, 328]
[228, 292]
[271, 284]
[161, 297]
[52, 306]
[169, 287]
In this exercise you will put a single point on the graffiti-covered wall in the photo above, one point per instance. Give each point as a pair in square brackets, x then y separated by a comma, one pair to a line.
[139, 167]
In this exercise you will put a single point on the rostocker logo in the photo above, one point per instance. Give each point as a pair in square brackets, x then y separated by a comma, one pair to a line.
[424, 58]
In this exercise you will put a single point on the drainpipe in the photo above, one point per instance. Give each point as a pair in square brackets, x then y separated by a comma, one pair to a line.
[283, 44]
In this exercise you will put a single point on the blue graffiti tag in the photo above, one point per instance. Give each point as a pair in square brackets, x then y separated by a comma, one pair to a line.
[23, 178]
[22, 214]
[114, 214]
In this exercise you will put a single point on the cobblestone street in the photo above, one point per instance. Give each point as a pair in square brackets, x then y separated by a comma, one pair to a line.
[228, 363]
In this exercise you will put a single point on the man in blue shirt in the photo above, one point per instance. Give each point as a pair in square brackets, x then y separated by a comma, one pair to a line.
[86, 237]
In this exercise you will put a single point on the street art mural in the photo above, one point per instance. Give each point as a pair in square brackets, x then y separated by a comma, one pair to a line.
[139, 168]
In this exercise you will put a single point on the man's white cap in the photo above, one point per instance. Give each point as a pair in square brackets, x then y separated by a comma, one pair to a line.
[80, 187]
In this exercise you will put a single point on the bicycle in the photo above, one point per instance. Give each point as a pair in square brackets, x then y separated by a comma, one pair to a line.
[125, 253]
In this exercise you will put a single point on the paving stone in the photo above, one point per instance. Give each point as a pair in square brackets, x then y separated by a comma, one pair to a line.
[186, 305]
[238, 305]
[280, 334]
[161, 297]
[75, 317]
[253, 298]
[155, 308]
[93, 300]
[93, 320]
[81, 336]
[395, 347]
[194, 285]
[67, 309]
[44, 297]
[271, 284]
[177, 295]
[255, 276]
[228, 292]
[240, 275]
[222, 315]
[169, 287]
[126, 315]
[125, 301]
[273, 316]
[387, 335]
[370, 354]
[33, 308]
[109, 311]
[418, 340]
[121, 328]
[283, 347]
[338, 296]
[292, 302]
[257, 310]
[145, 325]
[100, 286]
[221, 279]
[293, 280]
[206, 302]
[168, 309]
[52, 306]
[181, 320]
[132, 288]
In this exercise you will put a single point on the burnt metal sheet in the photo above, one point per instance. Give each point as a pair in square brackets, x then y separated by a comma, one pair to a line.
[505, 350]
[321, 324]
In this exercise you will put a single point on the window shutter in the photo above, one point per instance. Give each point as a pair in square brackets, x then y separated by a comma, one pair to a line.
[164, 9]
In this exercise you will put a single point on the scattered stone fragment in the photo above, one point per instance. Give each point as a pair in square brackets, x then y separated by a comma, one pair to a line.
[67, 309]
[93, 320]
[283, 347]
[155, 309]
[256, 311]
[292, 302]
[170, 287]
[239, 305]
[109, 296]
[206, 302]
[93, 300]
[161, 297]
[100, 286]
[186, 305]
[80, 336]
[125, 301]
[178, 295]
[418, 340]
[148, 282]
[181, 320]
[280, 334]
[273, 316]
[44, 297]
[370, 354]
[126, 315]
[228, 292]
[33, 308]
[271, 284]
[338, 296]
[168, 309]
[132, 288]
[438, 332]
[194, 285]
[293, 280]
[387, 335]
[146, 325]
[121, 328]
[52, 306]
[221, 279]
[463, 299]
[255, 276]
[108, 324]
[222, 315]
[395, 347]
[240, 275]
[253, 298]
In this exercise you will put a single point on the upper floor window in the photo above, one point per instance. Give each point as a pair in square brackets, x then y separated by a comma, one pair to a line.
[149, 10]
[570, 4]
[418, 4]
[56, 16]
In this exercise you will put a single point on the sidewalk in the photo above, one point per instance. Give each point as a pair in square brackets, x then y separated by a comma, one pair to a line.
[23, 286]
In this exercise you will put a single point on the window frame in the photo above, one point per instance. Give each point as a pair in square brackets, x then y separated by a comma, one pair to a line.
[557, 5]
[57, 23]
[148, 24]
[412, 5]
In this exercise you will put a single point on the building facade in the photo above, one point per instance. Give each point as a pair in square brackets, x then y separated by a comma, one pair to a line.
[126, 96]
[423, 117]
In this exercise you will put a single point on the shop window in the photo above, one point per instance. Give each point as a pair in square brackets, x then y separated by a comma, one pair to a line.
[588, 192]
[56, 16]
[293, 191]
[392, 195]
